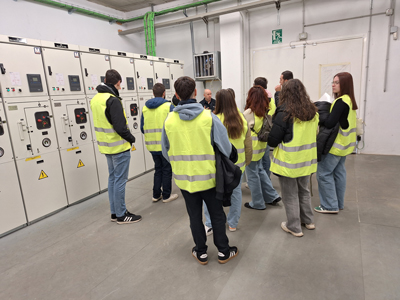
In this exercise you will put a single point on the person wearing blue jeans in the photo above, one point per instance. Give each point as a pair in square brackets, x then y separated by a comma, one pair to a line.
[266, 162]
[331, 176]
[115, 140]
[118, 169]
[234, 209]
[260, 185]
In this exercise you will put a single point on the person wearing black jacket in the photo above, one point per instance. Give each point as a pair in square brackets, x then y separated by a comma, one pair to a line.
[285, 76]
[114, 140]
[326, 136]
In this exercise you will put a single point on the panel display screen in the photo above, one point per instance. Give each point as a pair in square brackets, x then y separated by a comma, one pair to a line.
[42, 119]
[74, 83]
[35, 83]
[150, 83]
[130, 83]
[165, 82]
[102, 78]
[134, 110]
[80, 116]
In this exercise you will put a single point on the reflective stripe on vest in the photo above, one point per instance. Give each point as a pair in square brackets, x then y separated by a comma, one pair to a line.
[108, 141]
[153, 122]
[191, 154]
[346, 138]
[297, 158]
[239, 142]
[258, 147]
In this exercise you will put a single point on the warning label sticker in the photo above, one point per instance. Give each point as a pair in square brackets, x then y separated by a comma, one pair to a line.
[133, 148]
[42, 175]
[80, 164]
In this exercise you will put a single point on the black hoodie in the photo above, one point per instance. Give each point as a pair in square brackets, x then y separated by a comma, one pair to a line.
[115, 112]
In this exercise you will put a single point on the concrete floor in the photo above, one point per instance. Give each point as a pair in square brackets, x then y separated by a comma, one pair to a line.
[79, 254]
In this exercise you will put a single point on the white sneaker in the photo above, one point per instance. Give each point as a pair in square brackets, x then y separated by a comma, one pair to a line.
[209, 230]
[283, 226]
[172, 197]
[157, 199]
[310, 226]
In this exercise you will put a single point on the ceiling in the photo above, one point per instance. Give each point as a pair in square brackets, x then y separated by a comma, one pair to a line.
[129, 5]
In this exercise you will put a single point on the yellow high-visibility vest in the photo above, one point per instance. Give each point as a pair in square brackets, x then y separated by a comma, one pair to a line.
[298, 157]
[153, 124]
[191, 154]
[238, 143]
[108, 140]
[346, 139]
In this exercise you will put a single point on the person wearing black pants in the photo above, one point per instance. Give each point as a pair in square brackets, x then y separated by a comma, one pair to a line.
[194, 204]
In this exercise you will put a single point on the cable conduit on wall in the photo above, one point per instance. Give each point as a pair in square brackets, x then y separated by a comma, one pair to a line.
[121, 21]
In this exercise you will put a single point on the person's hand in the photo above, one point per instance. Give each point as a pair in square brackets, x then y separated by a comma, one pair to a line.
[206, 108]
[278, 88]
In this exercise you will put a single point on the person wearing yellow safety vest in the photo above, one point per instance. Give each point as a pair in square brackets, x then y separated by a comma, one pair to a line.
[262, 191]
[239, 135]
[266, 161]
[189, 136]
[115, 141]
[331, 173]
[294, 136]
[153, 116]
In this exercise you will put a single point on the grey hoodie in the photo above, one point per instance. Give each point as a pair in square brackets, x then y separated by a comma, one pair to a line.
[219, 135]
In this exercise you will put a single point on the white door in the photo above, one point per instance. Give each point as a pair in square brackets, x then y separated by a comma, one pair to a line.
[94, 68]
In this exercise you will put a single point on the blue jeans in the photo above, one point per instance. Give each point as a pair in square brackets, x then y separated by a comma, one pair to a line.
[266, 161]
[162, 177]
[118, 169]
[260, 185]
[331, 177]
[234, 210]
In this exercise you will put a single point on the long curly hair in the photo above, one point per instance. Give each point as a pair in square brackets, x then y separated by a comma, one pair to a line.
[296, 101]
[258, 101]
[226, 105]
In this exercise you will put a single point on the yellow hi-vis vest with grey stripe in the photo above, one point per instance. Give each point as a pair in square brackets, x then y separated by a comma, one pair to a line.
[298, 158]
[258, 146]
[108, 141]
[239, 142]
[191, 154]
[346, 139]
[153, 123]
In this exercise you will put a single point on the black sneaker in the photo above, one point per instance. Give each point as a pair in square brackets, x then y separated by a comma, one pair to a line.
[224, 258]
[128, 218]
[202, 259]
[275, 202]
[113, 218]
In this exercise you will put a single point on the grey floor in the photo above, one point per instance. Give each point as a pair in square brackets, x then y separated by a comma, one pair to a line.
[79, 254]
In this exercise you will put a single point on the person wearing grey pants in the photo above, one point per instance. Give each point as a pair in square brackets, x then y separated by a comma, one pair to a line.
[294, 136]
[296, 198]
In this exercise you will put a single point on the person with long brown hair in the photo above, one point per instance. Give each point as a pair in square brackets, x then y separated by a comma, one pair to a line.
[294, 136]
[239, 135]
[262, 191]
[331, 174]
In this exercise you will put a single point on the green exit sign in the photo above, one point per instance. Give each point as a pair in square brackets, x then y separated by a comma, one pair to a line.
[277, 36]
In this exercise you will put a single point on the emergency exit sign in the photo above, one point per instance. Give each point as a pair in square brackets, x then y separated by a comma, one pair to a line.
[277, 36]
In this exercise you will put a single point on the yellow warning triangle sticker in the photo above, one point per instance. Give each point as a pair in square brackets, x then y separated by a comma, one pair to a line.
[133, 148]
[80, 164]
[43, 175]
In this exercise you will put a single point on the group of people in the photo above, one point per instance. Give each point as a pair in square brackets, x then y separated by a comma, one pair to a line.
[185, 137]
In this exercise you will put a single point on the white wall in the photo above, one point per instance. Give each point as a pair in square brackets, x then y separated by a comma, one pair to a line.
[43, 22]
[33, 20]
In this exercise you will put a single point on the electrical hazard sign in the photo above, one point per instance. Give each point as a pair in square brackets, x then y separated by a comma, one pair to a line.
[80, 164]
[133, 148]
[42, 175]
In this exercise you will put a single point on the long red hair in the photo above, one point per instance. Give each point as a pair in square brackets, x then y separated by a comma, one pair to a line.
[258, 101]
